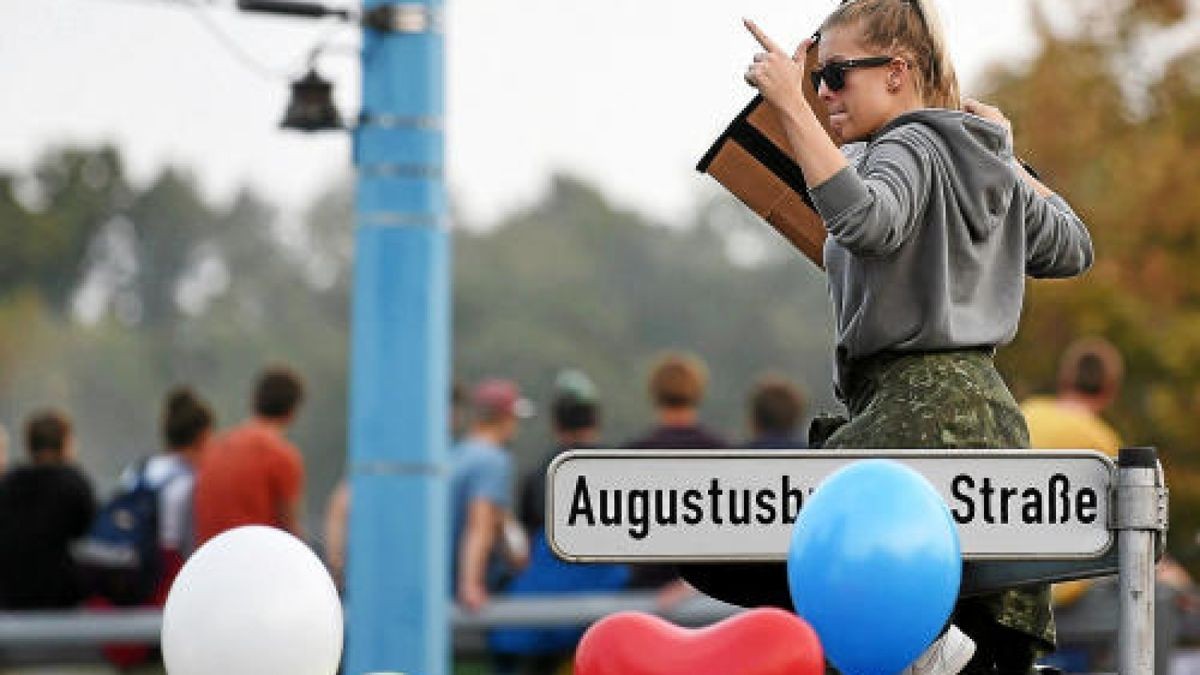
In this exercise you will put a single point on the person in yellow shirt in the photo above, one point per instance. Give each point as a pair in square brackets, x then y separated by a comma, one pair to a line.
[1089, 379]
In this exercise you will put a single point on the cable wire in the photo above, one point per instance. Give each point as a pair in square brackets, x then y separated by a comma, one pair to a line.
[199, 10]
[231, 45]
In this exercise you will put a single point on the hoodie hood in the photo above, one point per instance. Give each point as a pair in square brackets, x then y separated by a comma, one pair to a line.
[974, 155]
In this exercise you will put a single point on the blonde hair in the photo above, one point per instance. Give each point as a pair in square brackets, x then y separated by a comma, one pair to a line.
[911, 29]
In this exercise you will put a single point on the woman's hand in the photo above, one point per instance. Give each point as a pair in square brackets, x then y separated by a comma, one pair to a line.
[993, 114]
[989, 113]
[778, 76]
[780, 80]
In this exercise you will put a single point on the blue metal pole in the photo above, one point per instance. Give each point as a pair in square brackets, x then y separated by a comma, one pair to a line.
[397, 576]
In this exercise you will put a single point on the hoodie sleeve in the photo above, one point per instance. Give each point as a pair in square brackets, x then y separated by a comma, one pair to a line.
[1057, 243]
[872, 211]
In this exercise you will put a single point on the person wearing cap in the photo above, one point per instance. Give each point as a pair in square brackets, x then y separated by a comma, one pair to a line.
[575, 420]
[481, 495]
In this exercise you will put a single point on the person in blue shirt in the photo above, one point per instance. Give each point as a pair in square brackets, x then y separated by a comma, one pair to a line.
[481, 488]
[575, 421]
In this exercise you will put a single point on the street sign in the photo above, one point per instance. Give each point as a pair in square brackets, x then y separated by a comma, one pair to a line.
[740, 505]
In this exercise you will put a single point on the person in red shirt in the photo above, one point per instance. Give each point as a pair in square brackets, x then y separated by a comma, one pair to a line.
[253, 475]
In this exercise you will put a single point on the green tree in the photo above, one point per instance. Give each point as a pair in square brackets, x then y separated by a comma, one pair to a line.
[1120, 141]
[51, 218]
[576, 281]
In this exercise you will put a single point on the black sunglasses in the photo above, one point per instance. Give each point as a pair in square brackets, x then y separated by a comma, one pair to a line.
[834, 72]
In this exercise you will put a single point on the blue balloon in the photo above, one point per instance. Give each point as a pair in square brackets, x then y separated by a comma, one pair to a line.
[874, 566]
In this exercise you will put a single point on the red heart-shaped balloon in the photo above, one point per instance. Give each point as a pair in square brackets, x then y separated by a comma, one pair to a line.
[762, 641]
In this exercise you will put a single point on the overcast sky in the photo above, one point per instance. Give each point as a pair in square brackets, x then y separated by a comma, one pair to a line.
[626, 93]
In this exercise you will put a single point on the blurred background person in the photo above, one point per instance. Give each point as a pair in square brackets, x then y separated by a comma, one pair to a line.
[1089, 381]
[337, 531]
[252, 474]
[45, 506]
[481, 495]
[337, 507]
[677, 385]
[575, 425]
[575, 422]
[1090, 374]
[168, 479]
[777, 407]
[187, 424]
[149, 517]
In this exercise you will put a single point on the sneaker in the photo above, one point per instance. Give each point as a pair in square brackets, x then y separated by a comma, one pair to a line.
[947, 655]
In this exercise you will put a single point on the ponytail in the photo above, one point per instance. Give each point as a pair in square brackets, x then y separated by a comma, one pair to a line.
[941, 89]
[912, 29]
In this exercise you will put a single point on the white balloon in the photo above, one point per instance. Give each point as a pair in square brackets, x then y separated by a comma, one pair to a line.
[252, 601]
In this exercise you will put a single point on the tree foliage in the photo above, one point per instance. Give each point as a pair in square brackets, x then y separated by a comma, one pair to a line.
[1123, 145]
[164, 288]
[52, 216]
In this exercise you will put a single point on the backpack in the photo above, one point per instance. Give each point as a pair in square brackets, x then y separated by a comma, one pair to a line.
[119, 557]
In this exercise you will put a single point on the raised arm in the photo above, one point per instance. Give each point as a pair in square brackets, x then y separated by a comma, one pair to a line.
[1057, 243]
[873, 213]
[779, 77]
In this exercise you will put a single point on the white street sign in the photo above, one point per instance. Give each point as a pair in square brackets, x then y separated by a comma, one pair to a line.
[740, 505]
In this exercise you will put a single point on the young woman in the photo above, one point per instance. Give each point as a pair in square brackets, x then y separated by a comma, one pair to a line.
[933, 227]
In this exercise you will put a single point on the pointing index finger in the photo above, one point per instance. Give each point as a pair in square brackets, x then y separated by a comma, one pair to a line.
[766, 42]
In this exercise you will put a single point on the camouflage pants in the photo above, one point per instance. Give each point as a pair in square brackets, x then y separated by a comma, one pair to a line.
[951, 400]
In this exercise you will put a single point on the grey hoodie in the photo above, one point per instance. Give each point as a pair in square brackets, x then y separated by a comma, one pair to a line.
[931, 235]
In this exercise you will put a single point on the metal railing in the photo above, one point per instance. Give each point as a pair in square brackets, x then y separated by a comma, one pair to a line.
[75, 636]
[90, 628]
[87, 627]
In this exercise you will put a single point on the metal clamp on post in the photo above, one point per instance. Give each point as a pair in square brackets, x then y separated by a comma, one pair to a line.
[1141, 520]
[404, 18]
[1140, 495]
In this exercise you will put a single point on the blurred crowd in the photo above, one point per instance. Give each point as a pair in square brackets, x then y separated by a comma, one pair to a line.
[63, 547]
[497, 524]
